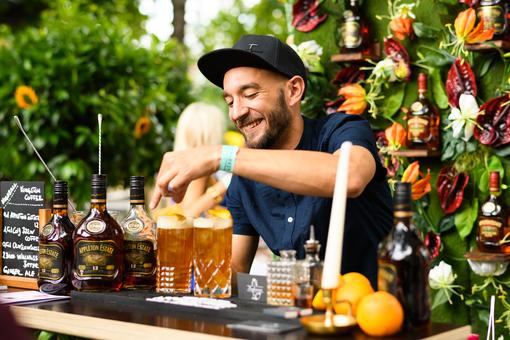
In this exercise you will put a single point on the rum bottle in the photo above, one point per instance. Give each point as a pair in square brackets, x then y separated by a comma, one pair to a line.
[353, 31]
[56, 246]
[423, 120]
[404, 262]
[139, 241]
[98, 245]
[491, 222]
[494, 14]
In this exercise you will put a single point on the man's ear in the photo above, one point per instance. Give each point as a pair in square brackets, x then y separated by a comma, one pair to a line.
[296, 88]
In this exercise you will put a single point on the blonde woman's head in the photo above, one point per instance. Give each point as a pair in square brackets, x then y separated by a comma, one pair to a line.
[199, 124]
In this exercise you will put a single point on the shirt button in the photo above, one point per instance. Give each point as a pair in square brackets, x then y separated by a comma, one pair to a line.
[290, 220]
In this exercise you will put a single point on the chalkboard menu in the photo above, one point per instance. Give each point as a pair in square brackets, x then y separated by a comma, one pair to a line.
[20, 227]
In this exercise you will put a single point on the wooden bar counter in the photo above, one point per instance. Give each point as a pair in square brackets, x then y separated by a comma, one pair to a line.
[97, 319]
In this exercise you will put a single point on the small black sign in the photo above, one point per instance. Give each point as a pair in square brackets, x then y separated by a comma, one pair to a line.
[252, 287]
[20, 230]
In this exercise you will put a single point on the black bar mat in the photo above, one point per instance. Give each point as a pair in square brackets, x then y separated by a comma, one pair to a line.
[135, 301]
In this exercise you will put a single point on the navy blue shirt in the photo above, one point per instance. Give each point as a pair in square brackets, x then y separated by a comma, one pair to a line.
[283, 219]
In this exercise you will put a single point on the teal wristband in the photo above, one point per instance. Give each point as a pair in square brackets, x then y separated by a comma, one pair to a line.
[228, 157]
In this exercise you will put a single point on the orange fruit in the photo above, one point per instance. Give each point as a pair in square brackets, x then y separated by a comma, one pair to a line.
[354, 277]
[380, 314]
[351, 293]
[317, 302]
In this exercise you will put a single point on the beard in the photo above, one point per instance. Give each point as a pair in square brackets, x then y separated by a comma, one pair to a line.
[277, 122]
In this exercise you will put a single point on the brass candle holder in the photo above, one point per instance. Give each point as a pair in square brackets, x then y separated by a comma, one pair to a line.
[328, 323]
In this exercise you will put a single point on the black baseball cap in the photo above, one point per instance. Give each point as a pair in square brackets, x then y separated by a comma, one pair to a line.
[259, 51]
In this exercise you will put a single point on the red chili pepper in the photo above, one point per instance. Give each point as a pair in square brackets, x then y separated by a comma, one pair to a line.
[470, 3]
[450, 188]
[396, 50]
[461, 79]
[433, 243]
[349, 75]
[306, 15]
[494, 122]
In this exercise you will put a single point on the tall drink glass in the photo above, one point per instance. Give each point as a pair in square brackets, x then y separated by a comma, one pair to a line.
[175, 254]
[212, 252]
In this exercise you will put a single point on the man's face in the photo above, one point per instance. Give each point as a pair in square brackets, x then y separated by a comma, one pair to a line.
[257, 105]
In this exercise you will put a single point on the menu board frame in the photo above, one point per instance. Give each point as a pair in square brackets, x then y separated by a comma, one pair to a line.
[13, 280]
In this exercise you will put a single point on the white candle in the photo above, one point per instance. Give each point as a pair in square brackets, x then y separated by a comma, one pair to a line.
[333, 257]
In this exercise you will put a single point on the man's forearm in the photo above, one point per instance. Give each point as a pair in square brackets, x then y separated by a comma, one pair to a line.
[301, 172]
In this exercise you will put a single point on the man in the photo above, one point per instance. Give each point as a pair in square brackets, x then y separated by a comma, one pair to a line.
[284, 180]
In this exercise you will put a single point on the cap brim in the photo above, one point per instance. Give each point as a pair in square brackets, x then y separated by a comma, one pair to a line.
[215, 64]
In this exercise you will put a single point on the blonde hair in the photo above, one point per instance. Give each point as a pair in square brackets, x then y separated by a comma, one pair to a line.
[199, 124]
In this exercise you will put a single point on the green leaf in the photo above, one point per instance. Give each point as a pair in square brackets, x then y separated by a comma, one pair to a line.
[446, 223]
[425, 31]
[438, 90]
[393, 100]
[448, 2]
[441, 297]
[465, 218]
[503, 151]
[434, 57]
[482, 66]
[44, 335]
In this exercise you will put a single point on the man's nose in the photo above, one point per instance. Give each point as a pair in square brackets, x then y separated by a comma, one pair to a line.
[239, 109]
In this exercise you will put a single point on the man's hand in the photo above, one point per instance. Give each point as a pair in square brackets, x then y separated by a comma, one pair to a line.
[179, 168]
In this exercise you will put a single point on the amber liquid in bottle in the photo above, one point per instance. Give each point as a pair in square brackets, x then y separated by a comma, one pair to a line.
[404, 262]
[353, 30]
[98, 246]
[139, 241]
[495, 14]
[423, 120]
[491, 221]
[56, 246]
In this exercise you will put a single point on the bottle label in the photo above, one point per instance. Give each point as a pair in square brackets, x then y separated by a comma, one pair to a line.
[96, 259]
[418, 128]
[387, 277]
[51, 261]
[350, 32]
[47, 230]
[489, 208]
[134, 226]
[493, 17]
[95, 226]
[489, 228]
[139, 257]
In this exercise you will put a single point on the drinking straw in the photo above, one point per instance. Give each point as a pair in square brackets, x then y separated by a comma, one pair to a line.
[20, 126]
[491, 320]
[99, 121]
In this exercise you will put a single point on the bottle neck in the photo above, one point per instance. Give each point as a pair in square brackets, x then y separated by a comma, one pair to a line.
[422, 94]
[137, 202]
[98, 204]
[59, 209]
[403, 216]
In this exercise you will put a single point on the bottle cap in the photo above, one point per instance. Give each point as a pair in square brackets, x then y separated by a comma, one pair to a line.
[98, 186]
[60, 193]
[136, 191]
[494, 184]
[422, 82]
[402, 197]
[312, 245]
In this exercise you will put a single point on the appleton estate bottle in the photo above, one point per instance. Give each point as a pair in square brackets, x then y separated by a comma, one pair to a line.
[423, 120]
[353, 31]
[98, 245]
[491, 221]
[139, 241]
[404, 262]
[56, 246]
[494, 14]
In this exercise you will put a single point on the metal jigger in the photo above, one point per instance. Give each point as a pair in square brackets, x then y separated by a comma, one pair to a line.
[329, 323]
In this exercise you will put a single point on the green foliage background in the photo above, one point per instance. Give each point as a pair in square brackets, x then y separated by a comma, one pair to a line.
[82, 60]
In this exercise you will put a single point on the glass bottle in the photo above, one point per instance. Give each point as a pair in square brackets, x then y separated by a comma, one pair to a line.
[139, 241]
[280, 278]
[404, 262]
[312, 249]
[495, 14]
[491, 221]
[353, 31]
[422, 120]
[98, 245]
[56, 246]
